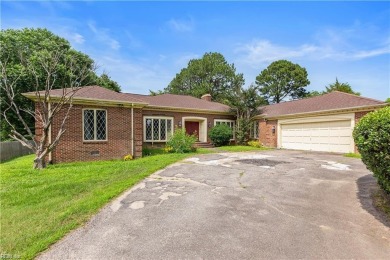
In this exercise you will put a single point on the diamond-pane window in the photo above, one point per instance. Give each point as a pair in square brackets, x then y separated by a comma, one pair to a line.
[88, 124]
[163, 130]
[157, 129]
[95, 126]
[148, 129]
[100, 124]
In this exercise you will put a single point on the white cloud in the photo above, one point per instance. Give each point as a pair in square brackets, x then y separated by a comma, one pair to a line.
[134, 76]
[76, 37]
[177, 25]
[263, 51]
[103, 36]
[259, 51]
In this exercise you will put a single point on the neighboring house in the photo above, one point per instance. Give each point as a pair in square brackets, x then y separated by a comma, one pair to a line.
[104, 124]
[322, 123]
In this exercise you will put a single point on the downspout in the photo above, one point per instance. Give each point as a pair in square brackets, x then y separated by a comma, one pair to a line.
[49, 137]
[132, 130]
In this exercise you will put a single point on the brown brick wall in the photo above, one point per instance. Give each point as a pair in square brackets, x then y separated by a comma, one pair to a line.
[72, 147]
[266, 137]
[38, 124]
[359, 115]
[178, 116]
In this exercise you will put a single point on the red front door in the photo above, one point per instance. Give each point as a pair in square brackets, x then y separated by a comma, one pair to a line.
[192, 128]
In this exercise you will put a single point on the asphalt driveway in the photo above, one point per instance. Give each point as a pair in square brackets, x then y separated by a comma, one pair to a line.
[271, 204]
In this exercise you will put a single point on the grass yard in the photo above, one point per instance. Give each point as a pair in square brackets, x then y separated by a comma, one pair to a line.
[40, 207]
[353, 155]
[240, 148]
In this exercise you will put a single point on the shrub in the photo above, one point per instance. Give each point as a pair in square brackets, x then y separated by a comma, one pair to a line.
[255, 143]
[181, 142]
[168, 149]
[372, 138]
[128, 157]
[220, 134]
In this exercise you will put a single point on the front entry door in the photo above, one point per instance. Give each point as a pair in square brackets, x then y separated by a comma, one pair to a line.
[192, 128]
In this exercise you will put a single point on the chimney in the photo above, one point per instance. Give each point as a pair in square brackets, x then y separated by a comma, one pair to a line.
[206, 97]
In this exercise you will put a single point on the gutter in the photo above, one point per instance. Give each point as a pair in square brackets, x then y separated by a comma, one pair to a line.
[91, 101]
[348, 109]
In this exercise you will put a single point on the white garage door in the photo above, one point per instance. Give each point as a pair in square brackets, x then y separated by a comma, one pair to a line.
[327, 136]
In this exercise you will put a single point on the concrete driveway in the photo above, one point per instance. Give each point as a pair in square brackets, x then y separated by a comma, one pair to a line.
[271, 204]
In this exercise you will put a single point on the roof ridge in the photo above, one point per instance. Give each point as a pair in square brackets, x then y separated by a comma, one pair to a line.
[180, 95]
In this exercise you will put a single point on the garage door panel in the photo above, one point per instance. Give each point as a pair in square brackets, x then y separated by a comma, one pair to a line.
[332, 136]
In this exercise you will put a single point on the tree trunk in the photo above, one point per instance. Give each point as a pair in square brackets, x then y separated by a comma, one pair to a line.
[39, 163]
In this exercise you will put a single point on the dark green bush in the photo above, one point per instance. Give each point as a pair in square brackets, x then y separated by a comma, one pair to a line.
[181, 142]
[220, 134]
[372, 138]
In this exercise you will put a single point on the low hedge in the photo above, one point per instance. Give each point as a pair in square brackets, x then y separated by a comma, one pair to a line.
[372, 138]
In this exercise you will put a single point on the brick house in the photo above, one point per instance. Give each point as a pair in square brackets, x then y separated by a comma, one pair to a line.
[104, 124]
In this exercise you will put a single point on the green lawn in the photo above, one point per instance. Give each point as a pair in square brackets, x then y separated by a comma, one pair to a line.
[240, 148]
[40, 207]
[353, 155]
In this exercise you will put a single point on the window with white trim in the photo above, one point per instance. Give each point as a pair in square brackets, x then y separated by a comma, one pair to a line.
[157, 129]
[254, 130]
[230, 123]
[95, 125]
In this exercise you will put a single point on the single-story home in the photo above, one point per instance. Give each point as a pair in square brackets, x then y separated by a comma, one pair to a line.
[105, 124]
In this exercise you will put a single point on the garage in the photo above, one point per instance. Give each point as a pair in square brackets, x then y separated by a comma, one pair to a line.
[322, 123]
[326, 136]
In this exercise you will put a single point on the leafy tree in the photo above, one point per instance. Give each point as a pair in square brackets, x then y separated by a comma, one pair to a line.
[282, 79]
[314, 93]
[387, 100]
[22, 54]
[106, 82]
[343, 87]
[245, 104]
[210, 74]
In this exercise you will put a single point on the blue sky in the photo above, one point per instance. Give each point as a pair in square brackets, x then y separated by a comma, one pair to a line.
[142, 45]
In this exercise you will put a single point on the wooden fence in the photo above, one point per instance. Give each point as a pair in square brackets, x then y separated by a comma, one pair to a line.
[12, 149]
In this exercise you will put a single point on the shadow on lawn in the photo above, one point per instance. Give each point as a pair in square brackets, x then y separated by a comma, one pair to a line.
[367, 187]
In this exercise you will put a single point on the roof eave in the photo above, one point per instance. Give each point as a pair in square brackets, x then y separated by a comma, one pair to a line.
[320, 112]
[91, 101]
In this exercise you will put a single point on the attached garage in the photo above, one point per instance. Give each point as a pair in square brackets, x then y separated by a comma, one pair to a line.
[323, 123]
[331, 133]
[326, 136]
